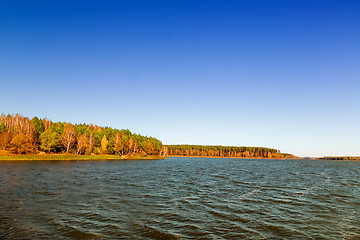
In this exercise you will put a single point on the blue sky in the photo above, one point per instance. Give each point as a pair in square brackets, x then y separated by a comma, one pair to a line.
[280, 74]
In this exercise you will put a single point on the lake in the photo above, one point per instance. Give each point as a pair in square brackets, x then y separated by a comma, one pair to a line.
[189, 198]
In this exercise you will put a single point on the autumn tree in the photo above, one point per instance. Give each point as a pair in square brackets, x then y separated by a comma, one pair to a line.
[164, 151]
[22, 144]
[149, 147]
[130, 145]
[117, 144]
[49, 140]
[104, 144]
[17, 124]
[68, 136]
[46, 123]
[91, 142]
[5, 139]
[82, 143]
[133, 145]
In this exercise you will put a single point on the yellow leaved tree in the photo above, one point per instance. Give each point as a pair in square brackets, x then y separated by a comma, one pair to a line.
[104, 144]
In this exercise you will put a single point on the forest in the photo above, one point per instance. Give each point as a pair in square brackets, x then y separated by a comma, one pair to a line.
[225, 151]
[21, 135]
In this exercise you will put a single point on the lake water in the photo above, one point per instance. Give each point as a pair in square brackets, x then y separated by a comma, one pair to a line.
[189, 198]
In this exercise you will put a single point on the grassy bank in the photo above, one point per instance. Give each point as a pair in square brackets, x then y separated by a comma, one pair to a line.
[4, 156]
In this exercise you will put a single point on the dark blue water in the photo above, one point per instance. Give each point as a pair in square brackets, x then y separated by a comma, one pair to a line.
[189, 198]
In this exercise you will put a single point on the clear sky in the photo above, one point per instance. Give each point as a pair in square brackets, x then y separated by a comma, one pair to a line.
[280, 74]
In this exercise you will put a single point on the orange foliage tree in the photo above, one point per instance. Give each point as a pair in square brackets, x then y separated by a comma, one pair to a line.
[149, 147]
[82, 143]
[22, 144]
[5, 139]
[117, 144]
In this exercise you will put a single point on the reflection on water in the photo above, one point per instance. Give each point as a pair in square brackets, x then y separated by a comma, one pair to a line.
[188, 198]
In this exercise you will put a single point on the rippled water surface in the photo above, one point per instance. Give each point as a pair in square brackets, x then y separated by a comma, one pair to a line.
[189, 198]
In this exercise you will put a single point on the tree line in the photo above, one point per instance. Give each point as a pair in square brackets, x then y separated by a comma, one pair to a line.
[22, 135]
[225, 151]
[340, 158]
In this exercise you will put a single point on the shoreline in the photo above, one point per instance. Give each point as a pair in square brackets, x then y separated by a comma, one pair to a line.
[227, 157]
[298, 158]
[73, 157]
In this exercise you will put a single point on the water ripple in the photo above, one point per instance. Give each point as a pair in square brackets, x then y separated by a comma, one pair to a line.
[180, 198]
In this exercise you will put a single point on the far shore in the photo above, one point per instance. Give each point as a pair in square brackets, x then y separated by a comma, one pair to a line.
[6, 156]
[297, 158]
[71, 157]
[226, 157]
